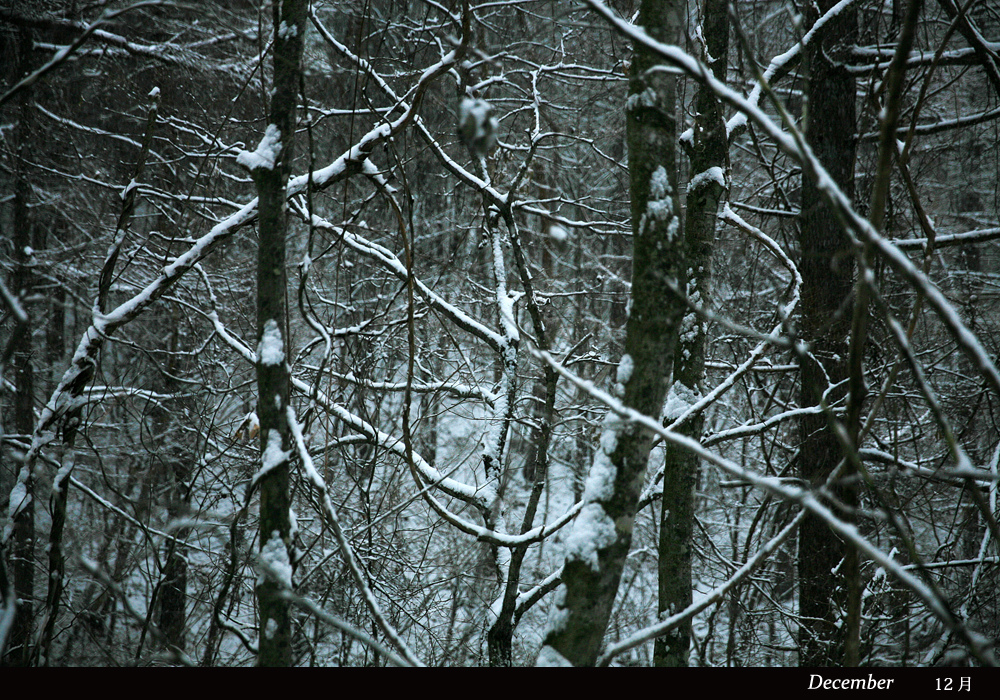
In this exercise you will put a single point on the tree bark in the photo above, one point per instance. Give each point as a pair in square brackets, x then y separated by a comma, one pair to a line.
[827, 268]
[601, 537]
[270, 166]
[709, 154]
[23, 554]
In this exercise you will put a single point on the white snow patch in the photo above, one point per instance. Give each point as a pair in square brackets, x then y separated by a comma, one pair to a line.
[713, 174]
[592, 530]
[625, 368]
[287, 31]
[274, 555]
[273, 454]
[18, 494]
[659, 183]
[267, 151]
[155, 92]
[660, 206]
[271, 350]
[132, 184]
[679, 400]
[270, 628]
[646, 98]
[477, 125]
[558, 233]
[549, 657]
[600, 484]
[506, 303]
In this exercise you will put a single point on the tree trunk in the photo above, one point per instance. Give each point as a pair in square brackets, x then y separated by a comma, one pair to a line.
[709, 170]
[271, 166]
[827, 268]
[23, 554]
[601, 537]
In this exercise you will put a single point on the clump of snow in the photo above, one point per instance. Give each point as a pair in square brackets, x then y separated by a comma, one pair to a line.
[691, 328]
[267, 151]
[287, 31]
[558, 233]
[625, 368]
[600, 484]
[18, 494]
[660, 207]
[271, 350]
[592, 530]
[646, 98]
[714, 174]
[659, 183]
[154, 93]
[132, 184]
[270, 628]
[477, 126]
[273, 454]
[549, 657]
[506, 303]
[274, 555]
[679, 400]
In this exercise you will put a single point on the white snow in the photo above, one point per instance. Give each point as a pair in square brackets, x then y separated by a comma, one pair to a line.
[155, 92]
[600, 484]
[679, 400]
[477, 125]
[128, 188]
[713, 174]
[659, 183]
[506, 303]
[271, 350]
[18, 494]
[270, 628]
[592, 530]
[625, 368]
[267, 151]
[287, 31]
[273, 454]
[558, 233]
[646, 98]
[549, 657]
[274, 555]
[475, 109]
[660, 206]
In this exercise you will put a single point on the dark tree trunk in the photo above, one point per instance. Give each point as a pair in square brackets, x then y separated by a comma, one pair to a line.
[270, 172]
[602, 535]
[23, 522]
[709, 167]
[827, 267]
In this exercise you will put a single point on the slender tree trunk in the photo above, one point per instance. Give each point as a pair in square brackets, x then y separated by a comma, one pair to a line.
[827, 268]
[23, 554]
[271, 166]
[601, 537]
[709, 170]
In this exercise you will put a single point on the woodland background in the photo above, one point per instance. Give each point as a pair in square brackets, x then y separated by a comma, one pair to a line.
[452, 317]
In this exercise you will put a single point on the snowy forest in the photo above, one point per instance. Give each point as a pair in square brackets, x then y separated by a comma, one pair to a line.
[499, 333]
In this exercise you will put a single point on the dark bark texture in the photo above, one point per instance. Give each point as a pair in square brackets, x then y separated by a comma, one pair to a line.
[827, 267]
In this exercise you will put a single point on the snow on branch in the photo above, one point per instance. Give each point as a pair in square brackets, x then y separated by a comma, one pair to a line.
[267, 151]
[804, 497]
[345, 547]
[793, 144]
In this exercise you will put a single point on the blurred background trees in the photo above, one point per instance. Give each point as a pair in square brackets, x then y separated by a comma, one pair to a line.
[456, 324]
